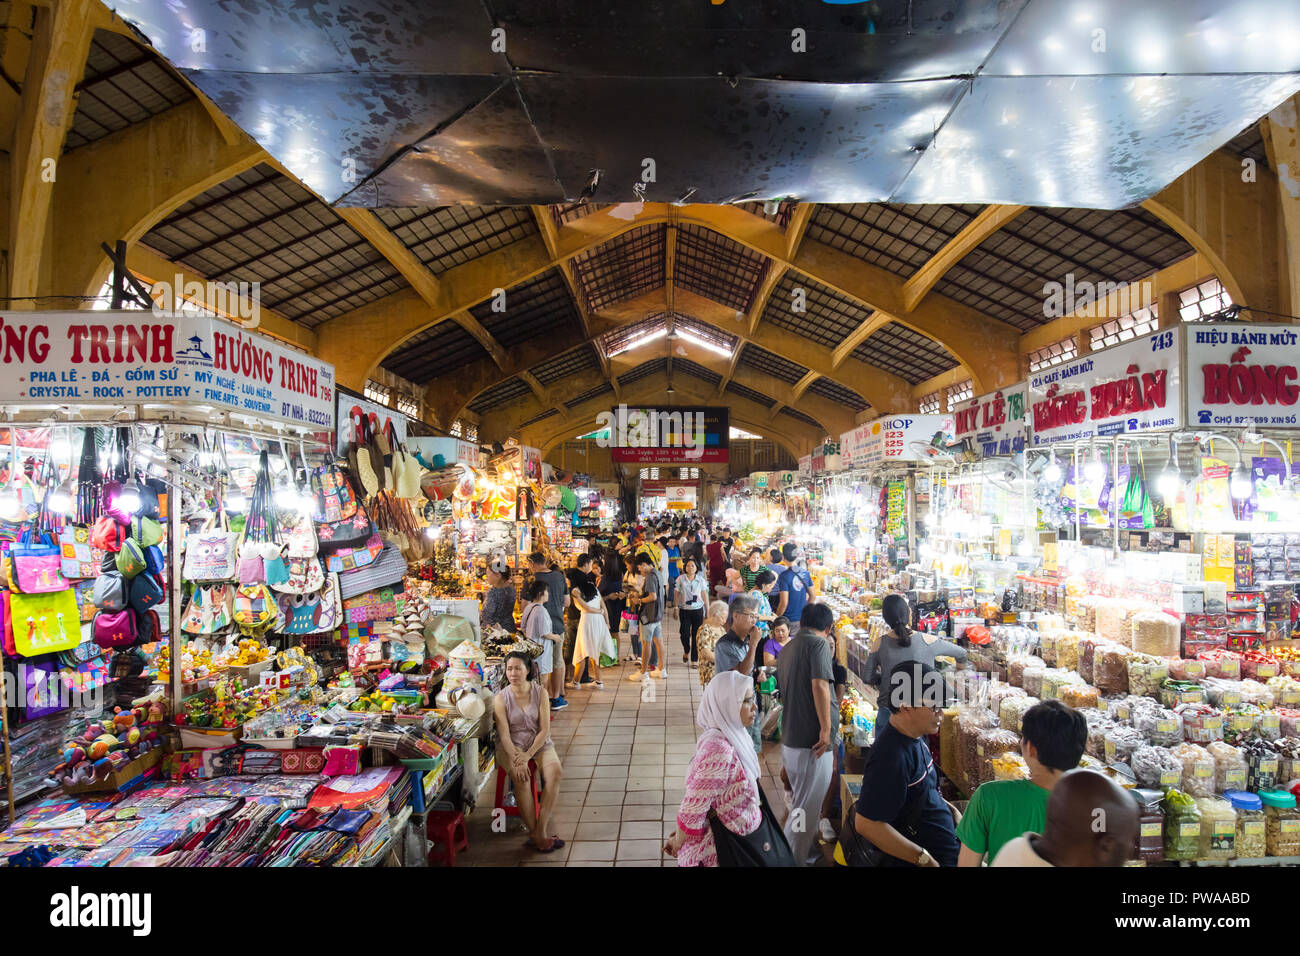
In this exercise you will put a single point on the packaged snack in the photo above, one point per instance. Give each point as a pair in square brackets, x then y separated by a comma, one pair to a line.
[1120, 708]
[1151, 818]
[948, 743]
[1222, 663]
[1182, 826]
[1097, 730]
[1201, 723]
[1110, 670]
[1257, 665]
[1175, 692]
[1262, 763]
[1010, 766]
[1067, 650]
[1221, 692]
[1218, 829]
[1229, 766]
[1198, 769]
[994, 742]
[969, 724]
[1055, 679]
[1253, 692]
[1047, 647]
[1032, 679]
[1184, 669]
[1156, 767]
[1252, 842]
[1239, 721]
[1286, 690]
[1155, 633]
[1146, 675]
[1121, 742]
[1160, 725]
[1012, 710]
[1288, 758]
[1289, 719]
[1087, 657]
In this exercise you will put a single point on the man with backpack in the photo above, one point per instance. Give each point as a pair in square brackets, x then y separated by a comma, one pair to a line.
[650, 614]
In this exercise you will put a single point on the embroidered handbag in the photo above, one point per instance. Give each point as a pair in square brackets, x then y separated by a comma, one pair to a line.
[317, 613]
[335, 499]
[44, 623]
[305, 575]
[255, 608]
[300, 538]
[212, 553]
[80, 559]
[210, 609]
[386, 569]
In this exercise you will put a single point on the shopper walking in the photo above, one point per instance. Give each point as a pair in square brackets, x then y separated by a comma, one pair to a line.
[650, 615]
[793, 588]
[706, 638]
[611, 589]
[581, 571]
[804, 676]
[722, 779]
[557, 599]
[535, 621]
[1052, 740]
[1091, 821]
[717, 566]
[900, 813]
[901, 645]
[592, 637]
[524, 735]
[499, 599]
[691, 594]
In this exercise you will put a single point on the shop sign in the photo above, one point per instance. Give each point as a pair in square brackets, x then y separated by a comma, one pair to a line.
[138, 358]
[1133, 387]
[994, 423]
[806, 466]
[680, 497]
[688, 435]
[353, 409]
[759, 478]
[901, 438]
[1243, 375]
[853, 445]
[786, 479]
[532, 462]
[453, 450]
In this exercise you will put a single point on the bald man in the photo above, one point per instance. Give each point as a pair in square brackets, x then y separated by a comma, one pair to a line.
[1091, 821]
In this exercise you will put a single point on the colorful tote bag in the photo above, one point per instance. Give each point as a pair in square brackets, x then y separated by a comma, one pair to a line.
[317, 613]
[335, 499]
[212, 554]
[44, 623]
[79, 558]
[349, 559]
[211, 609]
[305, 576]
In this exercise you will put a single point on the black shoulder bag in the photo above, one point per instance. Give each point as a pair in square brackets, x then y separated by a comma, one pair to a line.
[859, 851]
[766, 846]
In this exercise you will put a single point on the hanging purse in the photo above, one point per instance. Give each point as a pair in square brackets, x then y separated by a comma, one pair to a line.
[210, 609]
[765, 846]
[335, 499]
[305, 575]
[347, 533]
[37, 565]
[388, 568]
[300, 538]
[255, 609]
[316, 613]
[89, 480]
[349, 559]
[79, 559]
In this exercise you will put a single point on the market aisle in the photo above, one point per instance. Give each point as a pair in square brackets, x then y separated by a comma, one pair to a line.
[624, 760]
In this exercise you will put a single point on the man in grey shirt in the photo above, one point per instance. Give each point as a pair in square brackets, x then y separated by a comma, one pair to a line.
[737, 649]
[804, 674]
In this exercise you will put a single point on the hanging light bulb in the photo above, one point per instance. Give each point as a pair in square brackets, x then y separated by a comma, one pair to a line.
[1095, 470]
[11, 506]
[59, 499]
[128, 499]
[236, 503]
[287, 497]
[1025, 549]
[1052, 473]
[1170, 481]
[1240, 486]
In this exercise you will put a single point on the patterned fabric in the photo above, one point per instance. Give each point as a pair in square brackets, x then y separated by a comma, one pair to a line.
[499, 607]
[715, 780]
[705, 639]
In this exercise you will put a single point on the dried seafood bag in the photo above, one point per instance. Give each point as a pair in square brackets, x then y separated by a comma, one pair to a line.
[1120, 708]
[1198, 769]
[994, 742]
[1288, 758]
[1098, 728]
[1079, 695]
[1121, 742]
[1262, 763]
[970, 722]
[1012, 711]
[1239, 722]
[1286, 690]
[1146, 674]
[1110, 671]
[1156, 767]
[1218, 829]
[1182, 825]
[1229, 766]
[1155, 633]
[1088, 645]
[1160, 725]
[1201, 722]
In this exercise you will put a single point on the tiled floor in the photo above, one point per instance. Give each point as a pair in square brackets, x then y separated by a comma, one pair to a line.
[625, 749]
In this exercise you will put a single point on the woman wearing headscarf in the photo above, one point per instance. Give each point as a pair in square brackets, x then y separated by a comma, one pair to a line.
[900, 645]
[723, 775]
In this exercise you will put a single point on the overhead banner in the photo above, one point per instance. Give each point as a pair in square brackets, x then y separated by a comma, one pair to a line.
[805, 466]
[1241, 375]
[853, 445]
[902, 438]
[994, 423]
[352, 409]
[1133, 387]
[134, 358]
[689, 435]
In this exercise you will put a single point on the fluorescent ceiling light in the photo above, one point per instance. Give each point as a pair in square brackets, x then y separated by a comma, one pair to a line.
[703, 343]
[741, 433]
[634, 343]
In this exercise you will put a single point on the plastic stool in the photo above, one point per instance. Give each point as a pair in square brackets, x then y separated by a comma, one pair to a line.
[447, 836]
[502, 776]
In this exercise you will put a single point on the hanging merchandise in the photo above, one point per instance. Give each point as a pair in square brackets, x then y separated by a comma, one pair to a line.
[260, 558]
[90, 480]
[210, 609]
[315, 613]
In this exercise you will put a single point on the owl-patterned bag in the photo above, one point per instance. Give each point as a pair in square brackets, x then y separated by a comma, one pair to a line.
[212, 554]
[315, 613]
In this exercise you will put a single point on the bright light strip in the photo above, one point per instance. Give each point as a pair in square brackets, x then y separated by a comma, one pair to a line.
[703, 343]
[635, 343]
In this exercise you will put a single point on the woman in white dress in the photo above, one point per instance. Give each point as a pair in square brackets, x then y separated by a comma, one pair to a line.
[593, 627]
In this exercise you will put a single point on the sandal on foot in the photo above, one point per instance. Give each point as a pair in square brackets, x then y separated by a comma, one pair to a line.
[556, 843]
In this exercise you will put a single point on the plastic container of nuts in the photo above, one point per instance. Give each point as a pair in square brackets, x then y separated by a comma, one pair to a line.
[1281, 823]
[1252, 841]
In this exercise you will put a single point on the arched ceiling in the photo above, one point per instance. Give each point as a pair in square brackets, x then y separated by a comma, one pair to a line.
[813, 313]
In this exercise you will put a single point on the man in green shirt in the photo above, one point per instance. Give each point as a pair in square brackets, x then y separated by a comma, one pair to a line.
[1052, 740]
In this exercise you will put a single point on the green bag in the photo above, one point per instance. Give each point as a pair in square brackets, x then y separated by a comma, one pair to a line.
[130, 560]
[146, 530]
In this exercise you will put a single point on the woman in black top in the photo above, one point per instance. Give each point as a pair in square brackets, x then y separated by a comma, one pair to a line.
[611, 588]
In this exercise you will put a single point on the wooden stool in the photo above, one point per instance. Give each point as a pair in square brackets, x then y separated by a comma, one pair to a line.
[502, 776]
[447, 836]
